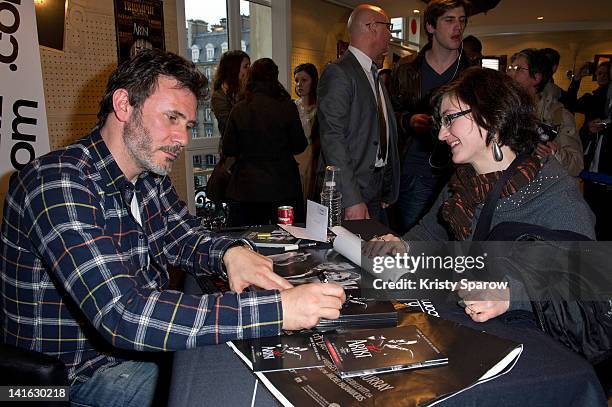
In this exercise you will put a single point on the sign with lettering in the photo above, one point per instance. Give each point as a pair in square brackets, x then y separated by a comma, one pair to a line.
[23, 118]
[139, 25]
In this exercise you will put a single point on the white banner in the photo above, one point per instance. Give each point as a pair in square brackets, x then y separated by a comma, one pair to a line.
[23, 119]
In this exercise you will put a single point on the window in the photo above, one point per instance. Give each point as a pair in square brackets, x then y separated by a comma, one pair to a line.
[256, 24]
[195, 53]
[211, 28]
[397, 31]
[210, 52]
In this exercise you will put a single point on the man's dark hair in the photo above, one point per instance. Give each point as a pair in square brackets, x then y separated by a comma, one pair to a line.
[553, 55]
[228, 72]
[499, 105]
[139, 76]
[538, 63]
[311, 70]
[473, 43]
[436, 8]
[263, 77]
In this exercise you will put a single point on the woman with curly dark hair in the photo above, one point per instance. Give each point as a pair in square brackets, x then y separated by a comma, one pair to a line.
[264, 133]
[488, 121]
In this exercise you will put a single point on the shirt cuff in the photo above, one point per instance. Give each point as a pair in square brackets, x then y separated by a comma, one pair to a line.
[261, 313]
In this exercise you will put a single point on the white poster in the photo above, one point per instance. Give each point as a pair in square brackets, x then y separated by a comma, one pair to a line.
[23, 118]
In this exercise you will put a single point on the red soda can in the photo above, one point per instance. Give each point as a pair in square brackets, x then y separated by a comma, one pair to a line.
[285, 215]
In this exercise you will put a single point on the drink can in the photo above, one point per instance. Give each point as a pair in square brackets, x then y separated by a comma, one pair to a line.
[285, 215]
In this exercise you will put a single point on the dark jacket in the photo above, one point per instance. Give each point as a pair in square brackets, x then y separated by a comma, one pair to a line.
[592, 105]
[419, 150]
[264, 133]
[406, 90]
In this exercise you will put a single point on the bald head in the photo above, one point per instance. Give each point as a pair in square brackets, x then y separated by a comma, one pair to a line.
[365, 29]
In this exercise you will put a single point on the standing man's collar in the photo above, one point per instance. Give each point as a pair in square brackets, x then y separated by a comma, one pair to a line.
[364, 60]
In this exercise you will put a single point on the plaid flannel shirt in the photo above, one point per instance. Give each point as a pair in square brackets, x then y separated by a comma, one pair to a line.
[76, 281]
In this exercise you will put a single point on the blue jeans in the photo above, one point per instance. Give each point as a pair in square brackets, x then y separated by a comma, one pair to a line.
[126, 384]
[416, 195]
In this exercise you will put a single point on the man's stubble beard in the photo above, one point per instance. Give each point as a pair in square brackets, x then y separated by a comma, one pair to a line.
[139, 144]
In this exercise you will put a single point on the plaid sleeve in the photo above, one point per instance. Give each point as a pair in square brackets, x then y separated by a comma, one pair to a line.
[188, 244]
[68, 231]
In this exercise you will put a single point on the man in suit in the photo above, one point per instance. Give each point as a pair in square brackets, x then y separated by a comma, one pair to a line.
[356, 121]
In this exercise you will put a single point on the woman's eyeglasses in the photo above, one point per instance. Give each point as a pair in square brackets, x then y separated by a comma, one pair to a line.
[515, 68]
[447, 120]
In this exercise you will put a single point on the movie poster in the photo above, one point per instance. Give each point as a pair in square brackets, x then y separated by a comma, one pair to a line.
[139, 25]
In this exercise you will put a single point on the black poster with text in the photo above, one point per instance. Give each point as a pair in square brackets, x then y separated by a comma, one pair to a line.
[139, 25]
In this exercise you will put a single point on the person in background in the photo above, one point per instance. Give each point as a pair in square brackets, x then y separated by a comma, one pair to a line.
[90, 230]
[532, 70]
[597, 138]
[552, 89]
[229, 78]
[473, 49]
[357, 125]
[263, 134]
[306, 79]
[426, 162]
[594, 104]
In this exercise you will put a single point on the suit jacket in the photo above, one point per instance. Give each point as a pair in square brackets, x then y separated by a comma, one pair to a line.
[348, 125]
[264, 133]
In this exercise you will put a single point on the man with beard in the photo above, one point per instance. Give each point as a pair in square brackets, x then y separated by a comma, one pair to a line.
[89, 231]
[425, 161]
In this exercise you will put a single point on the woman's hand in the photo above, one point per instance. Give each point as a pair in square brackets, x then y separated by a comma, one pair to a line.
[482, 305]
[383, 246]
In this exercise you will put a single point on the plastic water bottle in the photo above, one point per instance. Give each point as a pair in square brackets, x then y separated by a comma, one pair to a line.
[331, 195]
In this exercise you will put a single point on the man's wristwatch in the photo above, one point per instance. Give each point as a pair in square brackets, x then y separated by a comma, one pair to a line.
[240, 242]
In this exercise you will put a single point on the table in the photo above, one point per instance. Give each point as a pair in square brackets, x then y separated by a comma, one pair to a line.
[547, 374]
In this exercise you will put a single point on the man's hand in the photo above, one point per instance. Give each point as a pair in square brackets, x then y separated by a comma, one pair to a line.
[482, 305]
[548, 148]
[358, 211]
[245, 267]
[421, 123]
[304, 305]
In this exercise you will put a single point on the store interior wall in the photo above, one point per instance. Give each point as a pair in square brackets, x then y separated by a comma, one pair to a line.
[74, 80]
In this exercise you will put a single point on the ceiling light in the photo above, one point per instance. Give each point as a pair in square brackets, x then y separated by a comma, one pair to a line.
[540, 18]
[415, 11]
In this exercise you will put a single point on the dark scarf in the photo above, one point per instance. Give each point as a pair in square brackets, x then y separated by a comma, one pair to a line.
[469, 189]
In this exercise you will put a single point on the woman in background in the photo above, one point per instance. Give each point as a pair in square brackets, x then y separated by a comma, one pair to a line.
[264, 133]
[231, 73]
[306, 80]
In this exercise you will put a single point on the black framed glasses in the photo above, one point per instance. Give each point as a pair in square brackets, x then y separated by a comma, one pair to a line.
[388, 25]
[515, 68]
[447, 120]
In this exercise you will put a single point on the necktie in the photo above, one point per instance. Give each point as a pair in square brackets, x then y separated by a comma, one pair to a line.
[382, 124]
